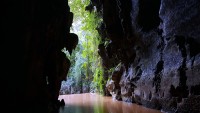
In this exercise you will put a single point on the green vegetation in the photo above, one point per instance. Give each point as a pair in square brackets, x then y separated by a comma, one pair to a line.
[86, 69]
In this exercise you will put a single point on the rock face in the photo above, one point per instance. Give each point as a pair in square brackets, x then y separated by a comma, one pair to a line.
[113, 85]
[33, 34]
[158, 43]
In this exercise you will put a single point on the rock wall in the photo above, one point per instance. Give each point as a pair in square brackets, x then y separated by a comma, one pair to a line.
[33, 66]
[157, 43]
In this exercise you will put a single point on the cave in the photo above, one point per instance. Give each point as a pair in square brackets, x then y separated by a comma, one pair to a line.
[149, 50]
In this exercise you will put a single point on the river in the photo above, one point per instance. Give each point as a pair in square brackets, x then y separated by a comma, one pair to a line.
[94, 103]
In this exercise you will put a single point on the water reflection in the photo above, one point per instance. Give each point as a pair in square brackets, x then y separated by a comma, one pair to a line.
[94, 103]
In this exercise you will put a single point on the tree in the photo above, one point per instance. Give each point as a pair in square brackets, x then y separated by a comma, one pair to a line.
[86, 65]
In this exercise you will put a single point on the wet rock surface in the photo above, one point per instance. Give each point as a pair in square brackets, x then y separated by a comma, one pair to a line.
[159, 47]
[156, 41]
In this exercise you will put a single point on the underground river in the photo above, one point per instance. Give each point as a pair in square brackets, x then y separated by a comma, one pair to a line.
[94, 103]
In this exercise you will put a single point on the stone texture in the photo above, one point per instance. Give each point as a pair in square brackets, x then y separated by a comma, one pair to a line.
[156, 41]
[113, 84]
[160, 52]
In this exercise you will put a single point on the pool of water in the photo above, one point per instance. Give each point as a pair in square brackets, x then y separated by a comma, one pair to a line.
[94, 103]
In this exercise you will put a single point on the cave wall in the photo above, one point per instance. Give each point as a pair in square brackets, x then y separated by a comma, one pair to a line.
[33, 66]
[157, 43]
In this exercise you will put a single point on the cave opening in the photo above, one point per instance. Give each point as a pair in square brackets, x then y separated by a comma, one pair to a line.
[109, 48]
[89, 71]
[86, 72]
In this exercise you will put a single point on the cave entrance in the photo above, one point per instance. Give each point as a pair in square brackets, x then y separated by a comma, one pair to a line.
[84, 88]
[85, 74]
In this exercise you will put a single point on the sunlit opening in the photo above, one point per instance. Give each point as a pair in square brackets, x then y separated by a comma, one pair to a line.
[86, 73]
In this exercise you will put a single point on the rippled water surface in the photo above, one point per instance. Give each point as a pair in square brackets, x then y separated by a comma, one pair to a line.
[94, 103]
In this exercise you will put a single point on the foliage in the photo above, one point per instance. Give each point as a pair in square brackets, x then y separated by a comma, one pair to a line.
[86, 65]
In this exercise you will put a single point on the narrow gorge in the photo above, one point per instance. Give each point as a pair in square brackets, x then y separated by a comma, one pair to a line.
[149, 49]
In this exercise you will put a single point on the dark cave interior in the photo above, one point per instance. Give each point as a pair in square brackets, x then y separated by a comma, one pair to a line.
[157, 43]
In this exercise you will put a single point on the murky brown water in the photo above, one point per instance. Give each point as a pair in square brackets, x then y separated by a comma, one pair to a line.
[94, 103]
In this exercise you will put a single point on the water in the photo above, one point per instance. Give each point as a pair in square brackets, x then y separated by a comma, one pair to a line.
[94, 103]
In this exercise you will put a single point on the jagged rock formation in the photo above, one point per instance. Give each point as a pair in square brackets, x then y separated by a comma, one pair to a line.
[34, 33]
[113, 85]
[157, 42]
